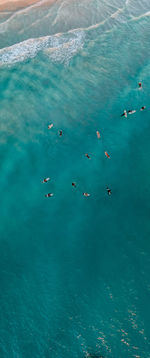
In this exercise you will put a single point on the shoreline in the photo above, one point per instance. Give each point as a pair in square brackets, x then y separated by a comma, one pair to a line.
[14, 5]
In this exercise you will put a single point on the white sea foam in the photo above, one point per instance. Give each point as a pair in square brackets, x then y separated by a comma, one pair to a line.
[64, 51]
[135, 18]
[60, 48]
[63, 46]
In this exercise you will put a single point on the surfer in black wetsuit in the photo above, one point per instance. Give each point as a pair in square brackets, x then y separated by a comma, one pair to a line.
[124, 114]
[108, 191]
[140, 85]
[142, 108]
[60, 133]
[86, 155]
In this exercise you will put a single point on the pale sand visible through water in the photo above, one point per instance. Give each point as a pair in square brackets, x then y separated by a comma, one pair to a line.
[13, 5]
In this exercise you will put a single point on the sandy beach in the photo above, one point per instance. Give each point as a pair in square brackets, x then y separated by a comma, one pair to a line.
[13, 5]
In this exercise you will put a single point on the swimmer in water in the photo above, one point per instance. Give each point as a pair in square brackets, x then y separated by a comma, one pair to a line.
[60, 133]
[50, 126]
[140, 85]
[98, 134]
[124, 114]
[142, 108]
[108, 191]
[107, 155]
[87, 156]
[131, 112]
[74, 185]
[86, 194]
[45, 180]
[48, 195]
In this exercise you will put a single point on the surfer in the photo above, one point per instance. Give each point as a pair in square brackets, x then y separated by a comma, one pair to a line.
[60, 133]
[74, 185]
[108, 191]
[142, 108]
[45, 180]
[124, 114]
[140, 85]
[50, 126]
[48, 195]
[86, 194]
[107, 155]
[98, 134]
[131, 111]
[87, 156]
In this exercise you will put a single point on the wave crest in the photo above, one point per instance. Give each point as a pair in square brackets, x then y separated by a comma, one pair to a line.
[59, 48]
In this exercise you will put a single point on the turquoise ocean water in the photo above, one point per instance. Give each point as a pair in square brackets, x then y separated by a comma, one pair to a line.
[74, 271]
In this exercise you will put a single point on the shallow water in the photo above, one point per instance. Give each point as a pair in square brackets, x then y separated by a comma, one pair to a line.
[75, 270]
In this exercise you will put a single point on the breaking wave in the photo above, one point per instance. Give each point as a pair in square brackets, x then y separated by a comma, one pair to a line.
[59, 48]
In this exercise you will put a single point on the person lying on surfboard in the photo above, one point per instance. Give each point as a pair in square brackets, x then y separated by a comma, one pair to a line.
[131, 111]
[107, 155]
[140, 85]
[108, 191]
[45, 180]
[124, 114]
[86, 194]
[86, 155]
[98, 134]
[48, 195]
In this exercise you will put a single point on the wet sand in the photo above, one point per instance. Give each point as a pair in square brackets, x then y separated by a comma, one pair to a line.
[13, 5]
